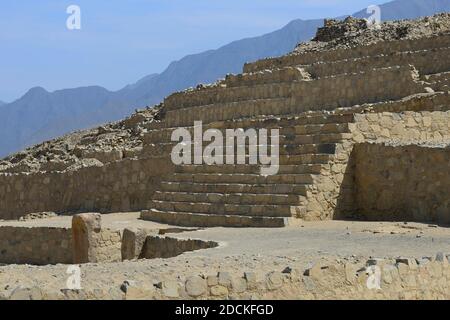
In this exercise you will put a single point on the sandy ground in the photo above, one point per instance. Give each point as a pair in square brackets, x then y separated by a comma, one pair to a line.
[240, 250]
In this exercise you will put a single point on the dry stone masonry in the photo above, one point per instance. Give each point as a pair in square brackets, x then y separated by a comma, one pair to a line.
[364, 128]
[351, 85]
[351, 88]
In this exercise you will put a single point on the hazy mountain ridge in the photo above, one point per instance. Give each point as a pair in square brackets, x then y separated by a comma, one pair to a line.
[40, 115]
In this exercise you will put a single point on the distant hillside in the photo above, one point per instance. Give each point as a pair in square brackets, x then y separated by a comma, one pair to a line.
[40, 115]
[2, 103]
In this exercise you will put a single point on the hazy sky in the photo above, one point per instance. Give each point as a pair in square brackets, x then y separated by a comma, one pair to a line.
[121, 41]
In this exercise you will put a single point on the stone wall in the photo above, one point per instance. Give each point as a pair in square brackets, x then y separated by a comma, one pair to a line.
[334, 194]
[402, 183]
[419, 59]
[40, 245]
[47, 245]
[119, 186]
[402, 278]
[399, 279]
[107, 245]
[166, 247]
[327, 93]
[385, 48]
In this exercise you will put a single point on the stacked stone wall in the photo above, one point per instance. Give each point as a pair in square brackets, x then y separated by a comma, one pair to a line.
[108, 245]
[165, 247]
[49, 245]
[40, 245]
[402, 183]
[120, 186]
[403, 278]
[323, 94]
[334, 195]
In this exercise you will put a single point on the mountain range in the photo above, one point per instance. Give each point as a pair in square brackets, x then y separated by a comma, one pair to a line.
[40, 115]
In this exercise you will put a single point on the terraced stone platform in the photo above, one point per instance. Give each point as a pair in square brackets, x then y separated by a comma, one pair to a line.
[324, 100]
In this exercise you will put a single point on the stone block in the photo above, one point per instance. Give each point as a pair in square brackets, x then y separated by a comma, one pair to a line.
[85, 228]
[132, 243]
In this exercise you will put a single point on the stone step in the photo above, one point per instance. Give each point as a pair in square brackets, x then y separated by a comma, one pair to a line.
[253, 179]
[292, 129]
[224, 209]
[292, 159]
[220, 186]
[205, 220]
[288, 149]
[320, 118]
[248, 169]
[229, 198]
[305, 159]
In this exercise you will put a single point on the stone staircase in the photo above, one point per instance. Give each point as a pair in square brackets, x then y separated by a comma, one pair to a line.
[238, 195]
[295, 94]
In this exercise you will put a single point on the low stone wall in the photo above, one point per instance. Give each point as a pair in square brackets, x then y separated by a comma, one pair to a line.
[402, 183]
[166, 247]
[402, 278]
[119, 186]
[40, 245]
[46, 245]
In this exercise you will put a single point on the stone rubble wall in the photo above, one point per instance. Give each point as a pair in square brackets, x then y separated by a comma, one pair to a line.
[384, 48]
[119, 186]
[39, 245]
[402, 183]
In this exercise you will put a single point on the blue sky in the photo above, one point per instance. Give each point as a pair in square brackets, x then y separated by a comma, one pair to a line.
[122, 41]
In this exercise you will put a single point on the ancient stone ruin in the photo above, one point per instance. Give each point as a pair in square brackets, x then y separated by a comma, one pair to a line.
[364, 127]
